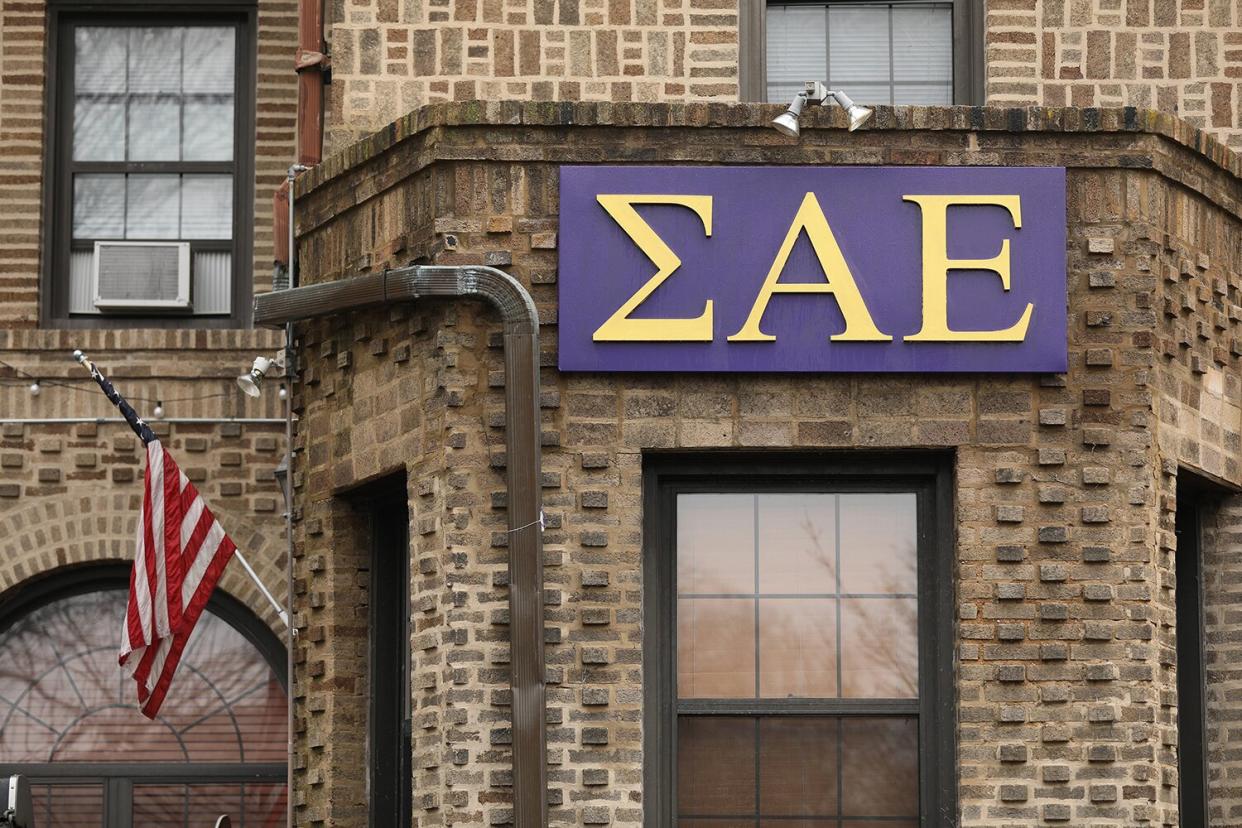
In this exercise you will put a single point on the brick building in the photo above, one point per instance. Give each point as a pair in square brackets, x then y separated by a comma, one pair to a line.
[1063, 487]
[1062, 496]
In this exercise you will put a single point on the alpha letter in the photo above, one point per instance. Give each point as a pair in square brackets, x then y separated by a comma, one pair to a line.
[620, 327]
[937, 264]
[838, 281]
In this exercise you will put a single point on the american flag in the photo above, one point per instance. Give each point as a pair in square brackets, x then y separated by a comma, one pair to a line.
[181, 552]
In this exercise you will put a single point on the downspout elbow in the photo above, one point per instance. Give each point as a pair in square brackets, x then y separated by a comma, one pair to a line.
[502, 291]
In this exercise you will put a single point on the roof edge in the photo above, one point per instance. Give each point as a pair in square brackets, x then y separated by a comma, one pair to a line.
[753, 115]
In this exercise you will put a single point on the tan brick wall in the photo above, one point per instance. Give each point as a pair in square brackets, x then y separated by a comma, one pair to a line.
[69, 493]
[23, 58]
[1178, 56]
[21, 151]
[1064, 591]
[390, 57]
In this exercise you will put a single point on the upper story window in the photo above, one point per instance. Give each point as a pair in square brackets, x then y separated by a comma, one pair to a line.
[152, 190]
[896, 52]
[880, 53]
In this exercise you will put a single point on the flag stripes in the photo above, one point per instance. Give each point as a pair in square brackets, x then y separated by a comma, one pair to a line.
[181, 553]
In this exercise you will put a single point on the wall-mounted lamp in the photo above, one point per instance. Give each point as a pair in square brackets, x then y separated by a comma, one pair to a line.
[250, 381]
[816, 93]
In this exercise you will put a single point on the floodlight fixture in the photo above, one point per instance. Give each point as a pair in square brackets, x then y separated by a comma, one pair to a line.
[817, 93]
[251, 381]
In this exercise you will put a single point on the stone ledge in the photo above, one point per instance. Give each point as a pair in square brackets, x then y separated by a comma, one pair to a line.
[751, 115]
[97, 341]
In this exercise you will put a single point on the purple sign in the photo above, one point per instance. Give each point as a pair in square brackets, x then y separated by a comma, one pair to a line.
[812, 269]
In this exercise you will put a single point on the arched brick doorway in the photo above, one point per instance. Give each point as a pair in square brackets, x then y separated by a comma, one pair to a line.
[69, 722]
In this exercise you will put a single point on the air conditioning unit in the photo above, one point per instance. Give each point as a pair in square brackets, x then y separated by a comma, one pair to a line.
[141, 276]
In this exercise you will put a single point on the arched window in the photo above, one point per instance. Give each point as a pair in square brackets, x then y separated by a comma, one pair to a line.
[69, 721]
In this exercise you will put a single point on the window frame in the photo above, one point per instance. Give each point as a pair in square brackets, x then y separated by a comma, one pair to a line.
[64, 16]
[969, 68]
[667, 475]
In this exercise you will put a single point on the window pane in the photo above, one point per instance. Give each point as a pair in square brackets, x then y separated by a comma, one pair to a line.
[98, 130]
[868, 93]
[190, 806]
[798, 766]
[715, 648]
[208, 131]
[206, 207]
[797, 543]
[858, 44]
[67, 805]
[881, 764]
[81, 262]
[796, 51]
[154, 129]
[213, 285]
[209, 65]
[879, 648]
[879, 543]
[937, 95]
[99, 59]
[922, 43]
[152, 206]
[155, 60]
[63, 699]
[797, 648]
[863, 48]
[715, 766]
[715, 544]
[98, 206]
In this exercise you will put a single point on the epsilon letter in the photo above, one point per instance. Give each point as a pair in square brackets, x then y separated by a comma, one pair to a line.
[620, 327]
[838, 281]
[937, 264]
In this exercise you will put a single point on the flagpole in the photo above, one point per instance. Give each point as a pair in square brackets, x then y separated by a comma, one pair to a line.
[140, 427]
[284, 616]
[147, 436]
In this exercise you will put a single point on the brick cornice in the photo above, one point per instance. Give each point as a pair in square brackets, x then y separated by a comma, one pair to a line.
[1118, 137]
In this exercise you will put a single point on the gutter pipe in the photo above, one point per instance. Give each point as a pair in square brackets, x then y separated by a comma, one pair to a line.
[290, 281]
[522, 473]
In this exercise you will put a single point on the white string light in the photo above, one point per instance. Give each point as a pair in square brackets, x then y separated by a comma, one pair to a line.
[35, 389]
[158, 413]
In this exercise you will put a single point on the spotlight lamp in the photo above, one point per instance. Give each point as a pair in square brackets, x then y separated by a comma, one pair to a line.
[816, 93]
[251, 381]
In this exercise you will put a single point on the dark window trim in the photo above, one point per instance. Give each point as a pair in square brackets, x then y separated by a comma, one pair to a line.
[57, 211]
[969, 68]
[666, 475]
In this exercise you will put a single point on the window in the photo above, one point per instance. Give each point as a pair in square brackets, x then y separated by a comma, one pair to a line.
[152, 183]
[896, 53]
[880, 53]
[69, 721]
[804, 677]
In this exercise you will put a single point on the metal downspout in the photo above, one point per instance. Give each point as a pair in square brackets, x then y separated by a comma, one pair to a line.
[522, 473]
